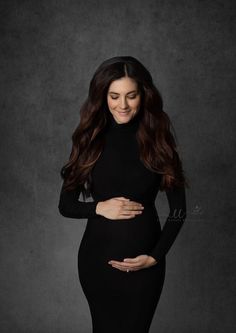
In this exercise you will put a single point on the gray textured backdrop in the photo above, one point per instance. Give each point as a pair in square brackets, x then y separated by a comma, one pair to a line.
[50, 49]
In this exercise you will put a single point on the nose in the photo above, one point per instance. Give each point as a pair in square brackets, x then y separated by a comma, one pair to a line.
[123, 104]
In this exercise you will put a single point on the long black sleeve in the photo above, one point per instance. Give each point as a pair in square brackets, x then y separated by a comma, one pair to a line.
[177, 204]
[70, 206]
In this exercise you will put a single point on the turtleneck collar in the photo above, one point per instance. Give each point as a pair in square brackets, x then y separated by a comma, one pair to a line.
[131, 125]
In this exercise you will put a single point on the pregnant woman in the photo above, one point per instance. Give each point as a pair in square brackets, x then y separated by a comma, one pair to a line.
[123, 153]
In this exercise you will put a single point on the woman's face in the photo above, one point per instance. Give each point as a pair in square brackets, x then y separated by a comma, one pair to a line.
[123, 99]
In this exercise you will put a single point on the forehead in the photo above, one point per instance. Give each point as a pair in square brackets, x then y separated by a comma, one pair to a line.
[123, 85]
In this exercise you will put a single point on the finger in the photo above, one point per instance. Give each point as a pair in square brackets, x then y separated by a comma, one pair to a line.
[126, 266]
[132, 206]
[135, 203]
[130, 212]
[118, 263]
[131, 260]
[122, 198]
[125, 216]
[131, 269]
[114, 262]
[122, 263]
[121, 268]
[117, 266]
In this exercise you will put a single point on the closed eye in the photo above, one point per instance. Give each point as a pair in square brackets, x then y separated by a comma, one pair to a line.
[131, 97]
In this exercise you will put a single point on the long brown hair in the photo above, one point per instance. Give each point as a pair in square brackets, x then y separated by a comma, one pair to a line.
[156, 135]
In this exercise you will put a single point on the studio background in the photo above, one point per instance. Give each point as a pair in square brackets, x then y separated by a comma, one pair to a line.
[49, 52]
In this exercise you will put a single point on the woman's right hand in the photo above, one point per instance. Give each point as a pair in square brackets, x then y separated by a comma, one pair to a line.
[119, 208]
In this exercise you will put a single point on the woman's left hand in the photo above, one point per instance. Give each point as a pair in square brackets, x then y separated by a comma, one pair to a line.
[133, 264]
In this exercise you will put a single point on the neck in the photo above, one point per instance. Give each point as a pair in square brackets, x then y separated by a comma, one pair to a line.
[132, 124]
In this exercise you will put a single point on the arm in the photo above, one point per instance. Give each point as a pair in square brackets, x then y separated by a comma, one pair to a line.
[69, 206]
[177, 204]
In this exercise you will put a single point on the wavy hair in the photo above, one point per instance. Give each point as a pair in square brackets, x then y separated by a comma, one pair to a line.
[156, 135]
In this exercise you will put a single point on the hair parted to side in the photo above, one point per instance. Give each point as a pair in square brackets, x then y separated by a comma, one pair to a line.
[156, 136]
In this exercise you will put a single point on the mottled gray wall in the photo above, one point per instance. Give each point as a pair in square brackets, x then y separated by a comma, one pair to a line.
[50, 49]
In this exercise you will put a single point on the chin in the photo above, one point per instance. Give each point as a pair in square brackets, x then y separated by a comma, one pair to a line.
[125, 116]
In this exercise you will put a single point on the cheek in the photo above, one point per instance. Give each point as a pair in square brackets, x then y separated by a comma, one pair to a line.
[112, 103]
[135, 104]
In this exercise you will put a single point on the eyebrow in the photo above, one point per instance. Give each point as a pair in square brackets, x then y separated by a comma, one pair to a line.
[112, 92]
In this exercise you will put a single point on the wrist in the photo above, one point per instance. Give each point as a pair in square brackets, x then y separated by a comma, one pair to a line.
[152, 260]
[98, 207]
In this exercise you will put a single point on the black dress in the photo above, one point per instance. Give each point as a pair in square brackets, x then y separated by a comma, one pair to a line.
[122, 302]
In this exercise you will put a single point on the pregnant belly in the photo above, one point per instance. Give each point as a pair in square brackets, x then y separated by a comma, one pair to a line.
[124, 237]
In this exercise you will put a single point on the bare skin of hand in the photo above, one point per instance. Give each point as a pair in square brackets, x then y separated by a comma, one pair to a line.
[119, 208]
[124, 208]
[134, 264]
